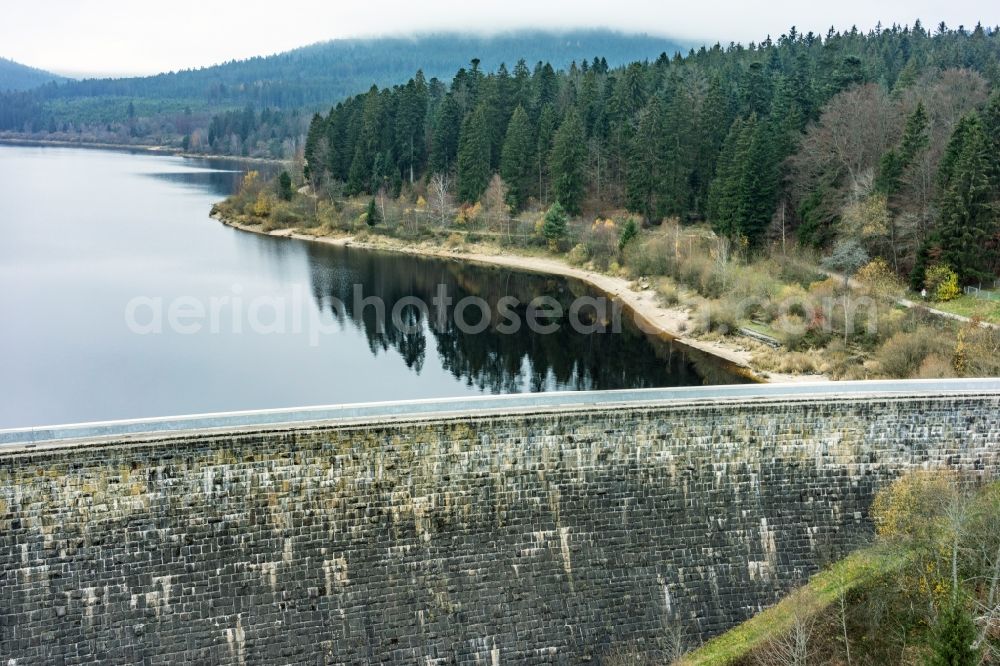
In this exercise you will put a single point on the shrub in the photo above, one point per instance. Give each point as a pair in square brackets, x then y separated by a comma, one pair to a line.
[791, 300]
[879, 279]
[706, 276]
[600, 240]
[717, 316]
[786, 362]
[942, 283]
[649, 256]
[283, 215]
[935, 366]
[755, 281]
[903, 354]
[668, 292]
[578, 255]
[977, 351]
[793, 332]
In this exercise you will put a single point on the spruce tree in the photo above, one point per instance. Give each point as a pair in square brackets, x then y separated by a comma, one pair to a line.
[952, 642]
[447, 127]
[474, 156]
[741, 200]
[516, 165]
[411, 109]
[967, 223]
[991, 128]
[723, 196]
[547, 123]
[285, 186]
[314, 168]
[758, 183]
[554, 226]
[897, 160]
[644, 178]
[372, 216]
[568, 160]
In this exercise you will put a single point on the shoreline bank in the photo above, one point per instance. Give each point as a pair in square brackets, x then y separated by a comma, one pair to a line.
[140, 148]
[649, 315]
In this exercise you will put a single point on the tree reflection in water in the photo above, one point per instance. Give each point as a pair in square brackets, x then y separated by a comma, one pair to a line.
[498, 362]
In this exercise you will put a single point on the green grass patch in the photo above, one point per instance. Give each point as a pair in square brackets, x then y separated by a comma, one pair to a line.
[823, 589]
[763, 329]
[970, 306]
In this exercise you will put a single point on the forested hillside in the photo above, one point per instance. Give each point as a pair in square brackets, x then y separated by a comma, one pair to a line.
[260, 97]
[15, 76]
[880, 144]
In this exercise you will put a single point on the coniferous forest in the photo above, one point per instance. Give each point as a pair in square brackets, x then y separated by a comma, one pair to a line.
[886, 140]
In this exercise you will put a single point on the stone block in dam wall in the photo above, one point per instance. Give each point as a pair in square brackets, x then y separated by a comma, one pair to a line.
[480, 540]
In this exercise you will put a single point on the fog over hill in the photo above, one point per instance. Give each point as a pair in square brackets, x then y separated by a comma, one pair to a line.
[15, 76]
[327, 72]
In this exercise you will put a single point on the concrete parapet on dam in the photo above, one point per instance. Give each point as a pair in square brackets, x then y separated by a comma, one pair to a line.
[543, 528]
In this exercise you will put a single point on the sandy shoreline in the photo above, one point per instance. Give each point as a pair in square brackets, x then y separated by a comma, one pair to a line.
[652, 317]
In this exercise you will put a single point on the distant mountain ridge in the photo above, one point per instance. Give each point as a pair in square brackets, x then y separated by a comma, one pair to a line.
[327, 72]
[15, 76]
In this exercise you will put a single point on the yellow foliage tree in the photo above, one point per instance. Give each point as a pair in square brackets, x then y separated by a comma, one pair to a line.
[942, 282]
[263, 205]
[250, 183]
[879, 278]
[912, 513]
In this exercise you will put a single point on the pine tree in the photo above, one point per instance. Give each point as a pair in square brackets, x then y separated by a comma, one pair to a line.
[474, 156]
[953, 639]
[568, 161]
[516, 165]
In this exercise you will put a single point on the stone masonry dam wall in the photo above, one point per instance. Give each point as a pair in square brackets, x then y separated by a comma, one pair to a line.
[476, 539]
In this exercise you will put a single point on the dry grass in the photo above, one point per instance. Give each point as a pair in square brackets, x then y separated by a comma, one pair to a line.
[789, 362]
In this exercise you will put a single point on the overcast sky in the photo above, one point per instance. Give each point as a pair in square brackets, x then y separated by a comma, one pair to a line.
[140, 37]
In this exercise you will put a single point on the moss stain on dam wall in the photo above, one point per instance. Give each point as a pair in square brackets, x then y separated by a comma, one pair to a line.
[545, 537]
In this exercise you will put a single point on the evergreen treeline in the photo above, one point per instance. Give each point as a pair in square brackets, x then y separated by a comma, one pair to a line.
[712, 135]
[311, 77]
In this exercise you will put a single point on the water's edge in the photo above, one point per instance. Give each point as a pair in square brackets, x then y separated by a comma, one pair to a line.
[651, 318]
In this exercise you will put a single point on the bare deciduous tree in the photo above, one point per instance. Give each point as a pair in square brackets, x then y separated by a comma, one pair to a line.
[440, 198]
[794, 646]
[497, 209]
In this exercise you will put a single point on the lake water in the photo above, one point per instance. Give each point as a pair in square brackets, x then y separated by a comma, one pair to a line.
[99, 248]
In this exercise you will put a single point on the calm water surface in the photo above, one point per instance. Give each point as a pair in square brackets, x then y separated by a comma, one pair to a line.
[86, 232]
